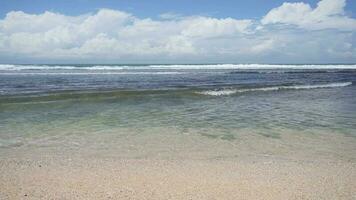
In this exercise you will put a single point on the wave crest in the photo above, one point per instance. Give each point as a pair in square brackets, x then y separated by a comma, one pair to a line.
[272, 88]
[11, 67]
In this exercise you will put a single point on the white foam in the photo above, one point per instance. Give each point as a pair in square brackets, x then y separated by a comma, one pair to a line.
[295, 87]
[252, 66]
[101, 67]
[218, 92]
[11, 67]
[92, 73]
[330, 85]
[33, 67]
[56, 67]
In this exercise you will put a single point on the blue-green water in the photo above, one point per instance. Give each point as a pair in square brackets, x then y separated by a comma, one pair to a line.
[109, 106]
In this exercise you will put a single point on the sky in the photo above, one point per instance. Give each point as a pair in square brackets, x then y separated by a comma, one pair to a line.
[178, 31]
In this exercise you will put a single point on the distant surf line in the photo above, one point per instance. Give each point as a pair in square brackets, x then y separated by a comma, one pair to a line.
[12, 67]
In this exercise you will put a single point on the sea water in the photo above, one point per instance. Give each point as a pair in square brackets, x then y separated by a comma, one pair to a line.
[181, 110]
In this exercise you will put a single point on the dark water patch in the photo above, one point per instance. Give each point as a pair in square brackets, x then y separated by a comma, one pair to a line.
[208, 135]
[270, 135]
[228, 137]
[79, 95]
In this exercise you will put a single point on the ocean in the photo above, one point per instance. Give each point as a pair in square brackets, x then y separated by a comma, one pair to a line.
[197, 111]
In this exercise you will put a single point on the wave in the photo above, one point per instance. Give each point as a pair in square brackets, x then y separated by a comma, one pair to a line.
[7, 67]
[272, 88]
[94, 73]
[108, 93]
[33, 67]
[251, 66]
[291, 71]
[10, 67]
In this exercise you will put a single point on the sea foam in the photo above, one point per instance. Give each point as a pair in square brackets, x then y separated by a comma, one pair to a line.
[10, 67]
[272, 88]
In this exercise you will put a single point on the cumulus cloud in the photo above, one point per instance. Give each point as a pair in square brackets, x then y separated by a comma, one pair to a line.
[329, 14]
[293, 32]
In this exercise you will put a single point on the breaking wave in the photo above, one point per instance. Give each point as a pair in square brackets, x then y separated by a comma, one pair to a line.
[7, 67]
[11, 67]
[93, 73]
[272, 88]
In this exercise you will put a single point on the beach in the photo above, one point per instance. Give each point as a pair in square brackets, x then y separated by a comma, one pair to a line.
[247, 168]
[157, 179]
[78, 178]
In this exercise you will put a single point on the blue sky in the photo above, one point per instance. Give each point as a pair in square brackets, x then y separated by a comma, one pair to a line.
[201, 31]
[153, 8]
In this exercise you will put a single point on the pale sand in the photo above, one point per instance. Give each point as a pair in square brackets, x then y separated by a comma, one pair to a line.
[182, 166]
[54, 177]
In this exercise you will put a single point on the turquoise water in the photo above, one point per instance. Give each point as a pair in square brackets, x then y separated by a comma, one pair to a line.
[193, 107]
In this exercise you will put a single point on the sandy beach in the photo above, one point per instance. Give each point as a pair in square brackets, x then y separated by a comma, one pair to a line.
[68, 178]
[208, 169]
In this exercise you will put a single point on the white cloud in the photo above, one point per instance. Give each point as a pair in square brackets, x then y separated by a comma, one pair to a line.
[212, 27]
[329, 14]
[116, 36]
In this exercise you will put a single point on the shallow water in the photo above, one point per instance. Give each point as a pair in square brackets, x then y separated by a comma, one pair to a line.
[202, 111]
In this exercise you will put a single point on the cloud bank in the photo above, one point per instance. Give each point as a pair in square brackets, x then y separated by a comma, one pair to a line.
[292, 32]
